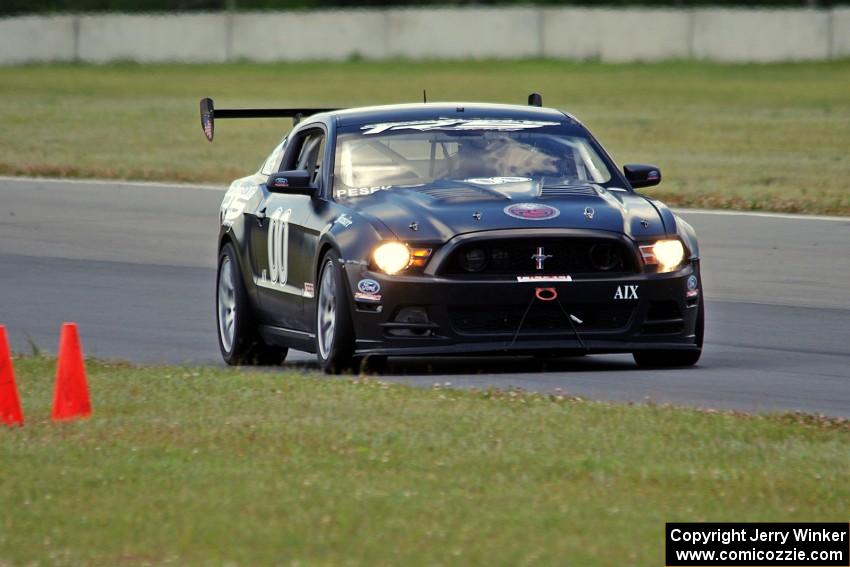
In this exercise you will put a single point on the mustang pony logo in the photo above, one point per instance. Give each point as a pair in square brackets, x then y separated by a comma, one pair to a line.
[531, 211]
[540, 257]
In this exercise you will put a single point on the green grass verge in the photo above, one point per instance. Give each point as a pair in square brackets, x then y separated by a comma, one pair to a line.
[772, 137]
[219, 466]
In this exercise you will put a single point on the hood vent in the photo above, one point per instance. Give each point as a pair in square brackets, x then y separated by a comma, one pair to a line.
[555, 191]
[462, 194]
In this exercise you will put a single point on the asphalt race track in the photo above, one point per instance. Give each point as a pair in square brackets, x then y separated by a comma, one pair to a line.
[133, 265]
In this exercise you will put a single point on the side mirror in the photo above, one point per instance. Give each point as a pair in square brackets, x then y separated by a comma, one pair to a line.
[296, 181]
[642, 175]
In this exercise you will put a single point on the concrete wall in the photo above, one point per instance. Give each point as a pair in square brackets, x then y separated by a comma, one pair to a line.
[779, 35]
[298, 36]
[451, 33]
[32, 38]
[191, 38]
[839, 21]
[617, 35]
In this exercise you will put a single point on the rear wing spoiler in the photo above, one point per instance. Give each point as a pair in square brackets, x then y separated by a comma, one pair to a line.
[209, 114]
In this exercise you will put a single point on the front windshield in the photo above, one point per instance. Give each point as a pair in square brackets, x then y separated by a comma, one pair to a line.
[482, 152]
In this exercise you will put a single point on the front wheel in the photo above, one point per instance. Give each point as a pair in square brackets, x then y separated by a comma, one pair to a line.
[334, 328]
[237, 333]
[675, 358]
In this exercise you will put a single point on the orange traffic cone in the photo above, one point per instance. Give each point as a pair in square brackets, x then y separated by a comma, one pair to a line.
[10, 404]
[71, 398]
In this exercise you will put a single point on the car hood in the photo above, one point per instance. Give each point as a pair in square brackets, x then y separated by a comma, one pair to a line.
[442, 210]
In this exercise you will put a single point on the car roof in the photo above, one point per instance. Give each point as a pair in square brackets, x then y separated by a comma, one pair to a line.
[435, 110]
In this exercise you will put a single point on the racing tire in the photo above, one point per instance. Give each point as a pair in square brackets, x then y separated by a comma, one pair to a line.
[238, 340]
[334, 328]
[675, 358]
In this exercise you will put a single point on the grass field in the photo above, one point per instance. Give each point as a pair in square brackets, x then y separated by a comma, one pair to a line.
[217, 466]
[770, 137]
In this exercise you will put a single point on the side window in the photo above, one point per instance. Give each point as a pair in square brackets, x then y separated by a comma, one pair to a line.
[311, 153]
[273, 161]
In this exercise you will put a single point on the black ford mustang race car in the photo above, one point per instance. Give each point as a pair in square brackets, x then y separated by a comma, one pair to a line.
[428, 229]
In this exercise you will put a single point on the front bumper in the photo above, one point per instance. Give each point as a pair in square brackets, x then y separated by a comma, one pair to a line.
[637, 312]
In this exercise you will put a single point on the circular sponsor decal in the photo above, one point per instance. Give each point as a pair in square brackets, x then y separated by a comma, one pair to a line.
[531, 211]
[368, 286]
[692, 283]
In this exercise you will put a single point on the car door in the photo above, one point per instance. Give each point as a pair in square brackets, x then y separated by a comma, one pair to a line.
[282, 253]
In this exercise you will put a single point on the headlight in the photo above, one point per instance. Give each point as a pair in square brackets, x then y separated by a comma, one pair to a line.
[392, 257]
[667, 254]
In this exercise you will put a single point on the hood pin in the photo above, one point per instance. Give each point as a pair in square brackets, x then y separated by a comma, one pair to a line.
[476, 215]
[588, 213]
[413, 225]
[644, 223]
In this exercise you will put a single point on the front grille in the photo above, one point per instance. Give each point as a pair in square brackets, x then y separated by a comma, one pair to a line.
[545, 318]
[508, 258]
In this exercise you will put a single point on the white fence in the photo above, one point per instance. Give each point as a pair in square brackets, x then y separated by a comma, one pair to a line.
[636, 34]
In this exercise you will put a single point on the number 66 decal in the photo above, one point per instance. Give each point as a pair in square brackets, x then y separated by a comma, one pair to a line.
[279, 245]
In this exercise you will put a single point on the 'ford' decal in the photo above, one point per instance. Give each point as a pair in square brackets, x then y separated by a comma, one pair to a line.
[368, 286]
